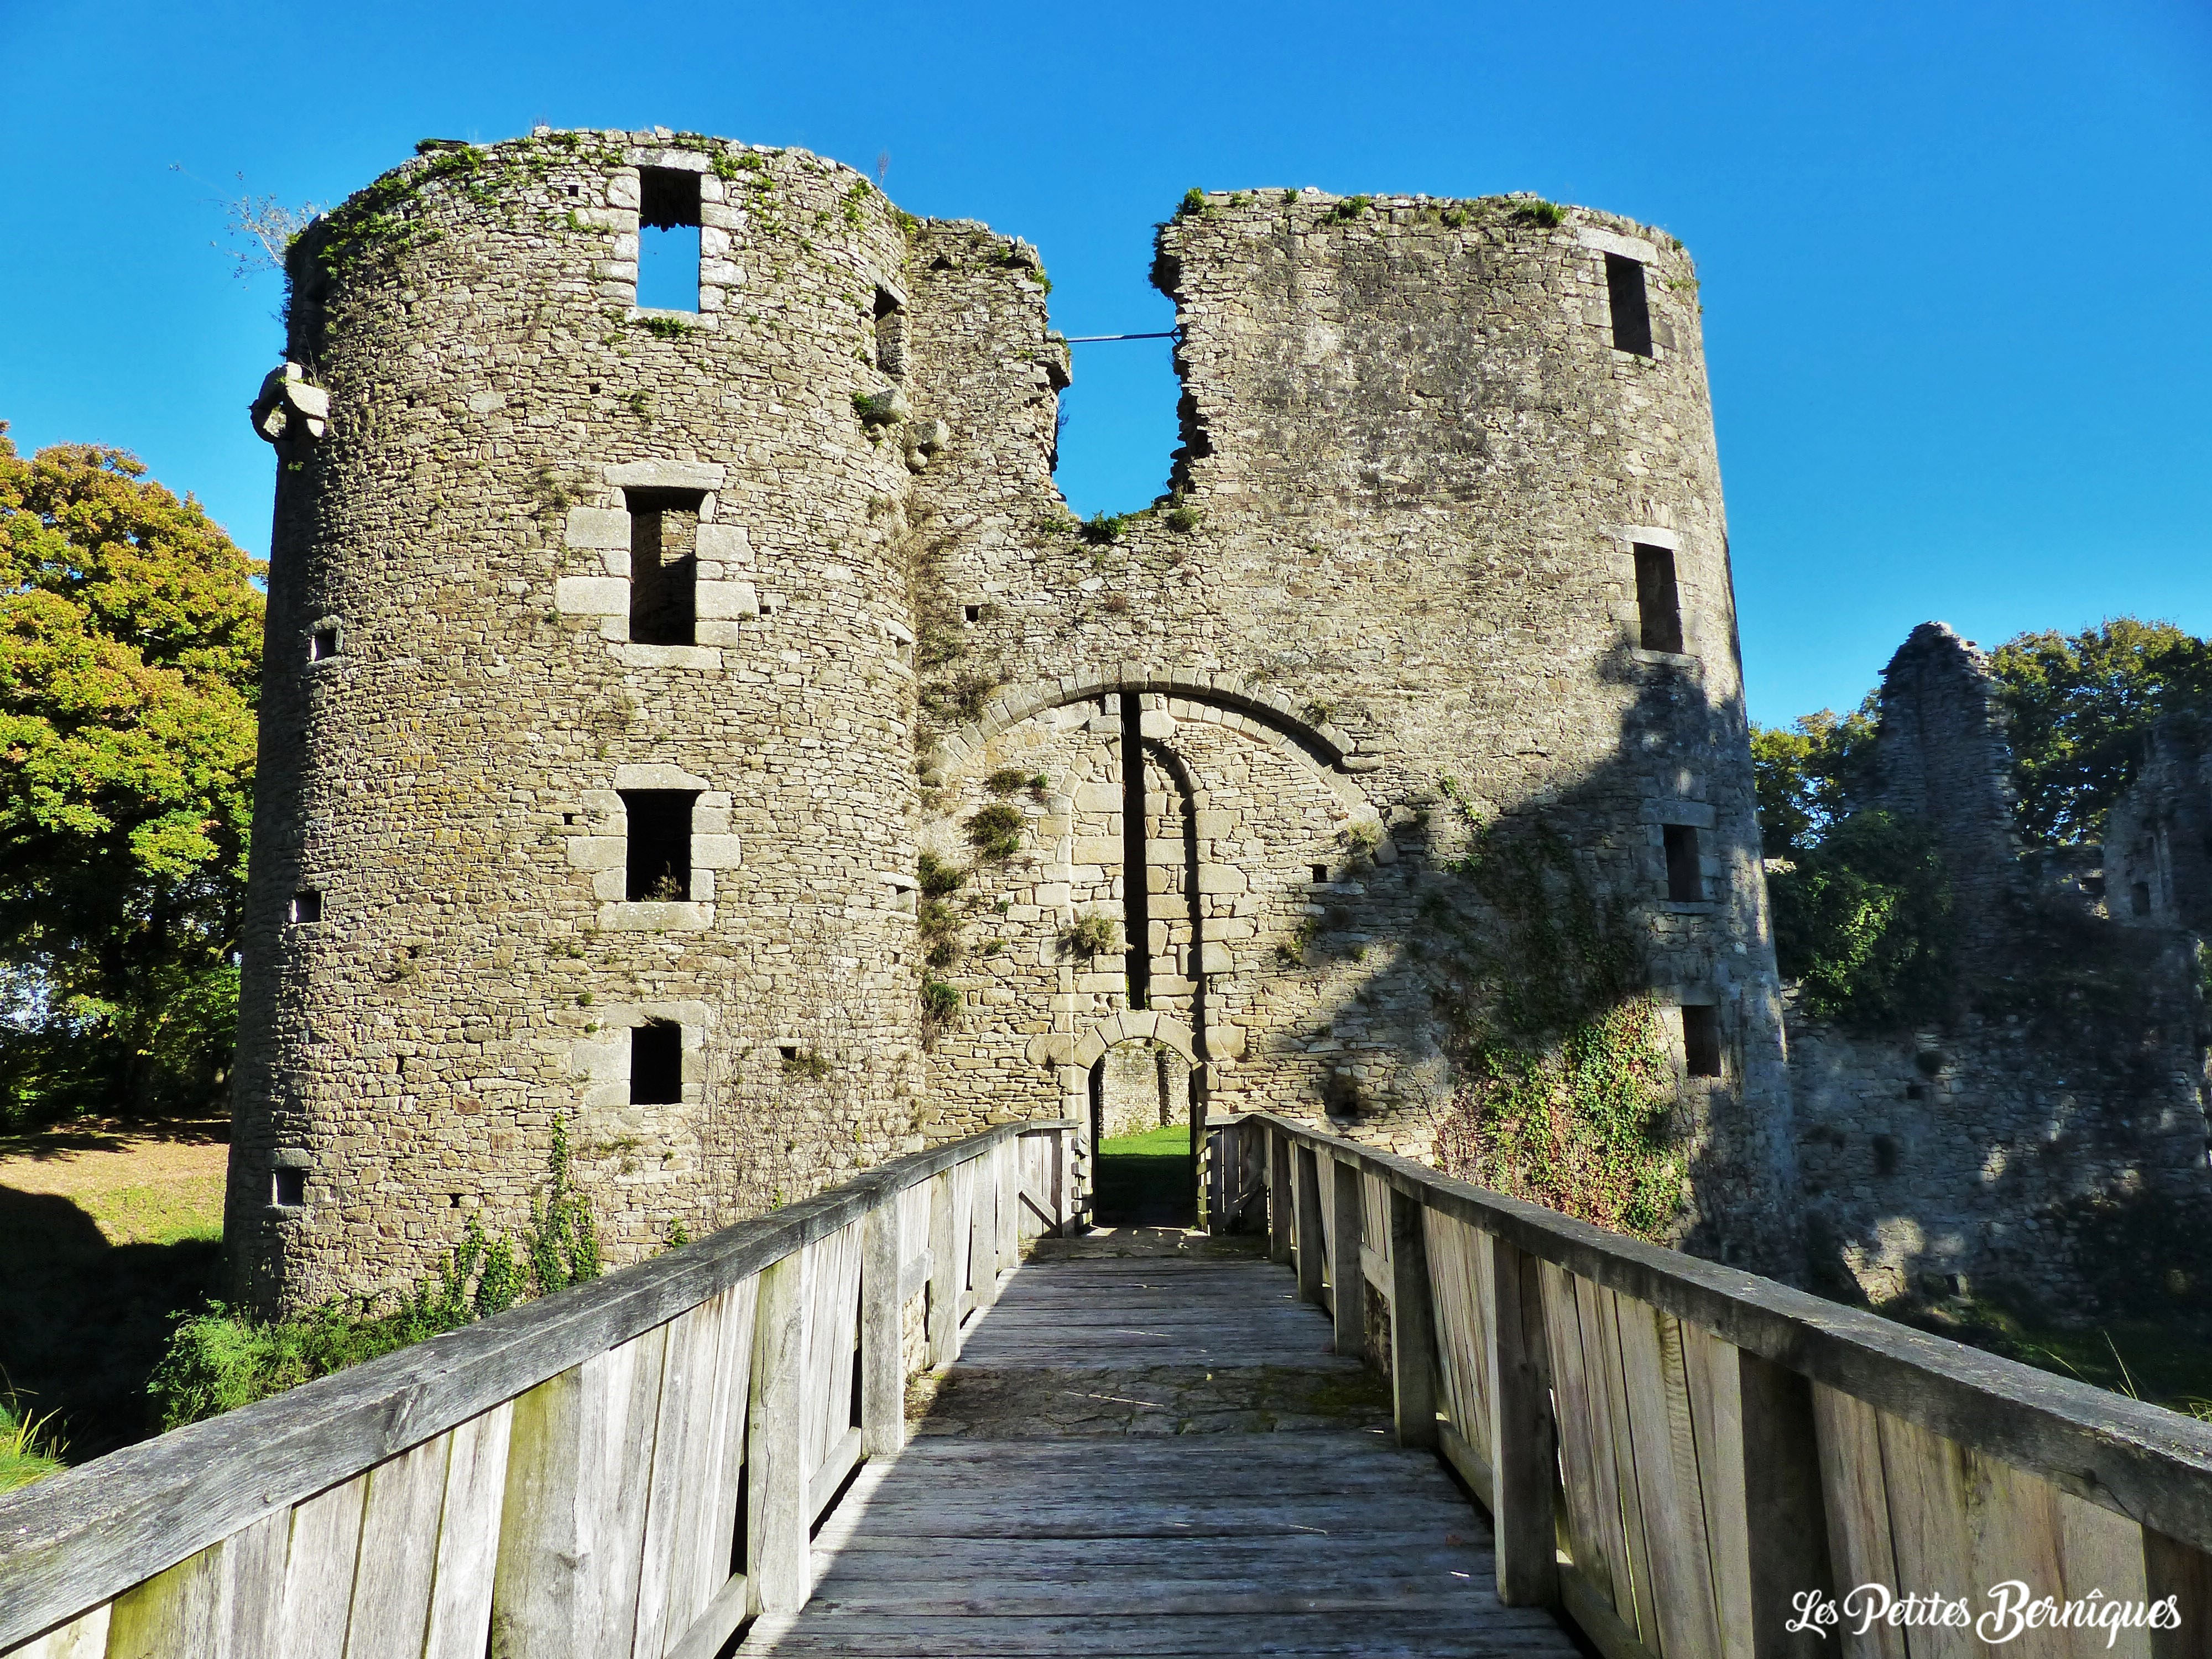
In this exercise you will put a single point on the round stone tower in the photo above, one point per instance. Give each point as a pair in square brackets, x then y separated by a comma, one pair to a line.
[587, 772]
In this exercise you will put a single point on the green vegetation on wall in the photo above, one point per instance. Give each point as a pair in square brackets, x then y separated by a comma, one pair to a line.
[1566, 1090]
[221, 1359]
[1862, 923]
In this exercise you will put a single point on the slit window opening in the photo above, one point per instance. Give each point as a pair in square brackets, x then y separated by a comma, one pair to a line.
[658, 865]
[890, 333]
[1658, 601]
[667, 238]
[1684, 882]
[306, 905]
[1701, 1040]
[288, 1188]
[2139, 898]
[322, 643]
[1320, 875]
[663, 566]
[656, 1064]
[1631, 305]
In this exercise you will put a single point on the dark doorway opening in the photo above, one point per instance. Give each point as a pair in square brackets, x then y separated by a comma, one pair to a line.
[1144, 1168]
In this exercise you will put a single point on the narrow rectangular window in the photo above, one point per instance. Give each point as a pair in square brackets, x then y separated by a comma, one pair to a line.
[1631, 305]
[1701, 1039]
[306, 905]
[667, 238]
[2139, 898]
[663, 566]
[322, 643]
[287, 1188]
[1658, 601]
[891, 333]
[656, 1064]
[659, 854]
[1684, 882]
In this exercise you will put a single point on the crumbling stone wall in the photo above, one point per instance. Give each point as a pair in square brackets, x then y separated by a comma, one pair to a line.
[1400, 550]
[2158, 836]
[2060, 1101]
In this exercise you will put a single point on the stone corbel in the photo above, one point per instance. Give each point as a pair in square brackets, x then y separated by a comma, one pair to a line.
[289, 407]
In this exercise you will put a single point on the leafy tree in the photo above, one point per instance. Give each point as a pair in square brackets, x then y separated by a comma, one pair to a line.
[2079, 707]
[1862, 922]
[130, 636]
[1805, 774]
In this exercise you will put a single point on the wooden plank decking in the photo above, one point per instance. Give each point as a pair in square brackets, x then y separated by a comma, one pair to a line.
[1154, 1456]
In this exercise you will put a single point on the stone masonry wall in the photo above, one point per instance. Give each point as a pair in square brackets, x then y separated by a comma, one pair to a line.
[2063, 1095]
[1399, 557]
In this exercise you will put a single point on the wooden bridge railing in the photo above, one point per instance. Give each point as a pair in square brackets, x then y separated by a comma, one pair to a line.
[1672, 1450]
[629, 1467]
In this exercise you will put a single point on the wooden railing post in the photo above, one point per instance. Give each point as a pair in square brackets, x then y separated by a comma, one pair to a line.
[883, 1364]
[776, 1522]
[1279, 1202]
[1413, 1326]
[947, 1265]
[1523, 1461]
[1009, 1165]
[1348, 1278]
[1771, 1517]
[1310, 1234]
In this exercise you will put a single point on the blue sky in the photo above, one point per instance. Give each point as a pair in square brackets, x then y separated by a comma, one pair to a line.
[1957, 258]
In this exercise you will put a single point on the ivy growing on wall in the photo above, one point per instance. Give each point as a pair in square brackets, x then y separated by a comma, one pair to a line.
[1564, 1089]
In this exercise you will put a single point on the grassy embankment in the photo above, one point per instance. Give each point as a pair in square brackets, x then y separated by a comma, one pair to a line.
[1146, 1180]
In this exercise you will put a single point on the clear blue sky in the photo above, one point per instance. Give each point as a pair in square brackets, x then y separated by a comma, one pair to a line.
[1957, 257]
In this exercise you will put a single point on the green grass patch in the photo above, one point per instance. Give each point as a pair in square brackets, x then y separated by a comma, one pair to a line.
[2160, 1362]
[29, 1448]
[1146, 1180]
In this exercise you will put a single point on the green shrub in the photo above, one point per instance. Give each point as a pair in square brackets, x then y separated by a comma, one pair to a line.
[938, 877]
[220, 1359]
[1183, 518]
[940, 1003]
[1104, 529]
[995, 831]
[1012, 780]
[1549, 214]
[1352, 207]
[1092, 933]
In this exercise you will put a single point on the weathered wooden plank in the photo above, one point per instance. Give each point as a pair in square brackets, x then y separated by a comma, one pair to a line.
[1523, 1457]
[1462, 1339]
[84, 1637]
[1506, 1632]
[681, 1478]
[1595, 1615]
[1413, 1324]
[1281, 1182]
[573, 1525]
[2172, 1569]
[1347, 1283]
[948, 1265]
[712, 1626]
[319, 1572]
[776, 1488]
[183, 1610]
[1767, 1527]
[1856, 1499]
[398, 1555]
[822, 1483]
[1667, 1479]
[1588, 1542]
[84, 1536]
[1009, 1236]
[883, 1364]
[832, 1332]
[468, 1537]
[254, 1560]
[1312, 1246]
[2136, 1460]
[1633, 1553]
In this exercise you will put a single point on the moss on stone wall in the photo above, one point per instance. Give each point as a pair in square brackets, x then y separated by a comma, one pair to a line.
[1564, 1089]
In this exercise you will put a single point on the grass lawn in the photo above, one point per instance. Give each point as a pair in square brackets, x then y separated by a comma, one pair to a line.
[108, 1229]
[1146, 1180]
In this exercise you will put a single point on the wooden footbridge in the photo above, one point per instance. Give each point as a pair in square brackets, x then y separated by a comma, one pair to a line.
[1395, 1414]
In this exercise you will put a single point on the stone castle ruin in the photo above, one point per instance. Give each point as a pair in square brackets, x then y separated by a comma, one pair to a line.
[710, 728]
[2042, 1130]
